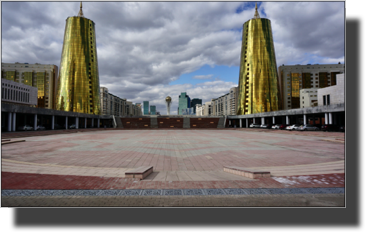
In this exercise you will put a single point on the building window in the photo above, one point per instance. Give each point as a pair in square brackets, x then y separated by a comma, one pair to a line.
[328, 99]
[324, 100]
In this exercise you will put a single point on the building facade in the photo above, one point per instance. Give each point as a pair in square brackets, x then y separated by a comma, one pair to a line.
[333, 94]
[183, 103]
[153, 109]
[18, 93]
[199, 109]
[225, 104]
[258, 81]
[78, 85]
[43, 77]
[293, 78]
[308, 97]
[146, 107]
[137, 109]
[112, 105]
[207, 109]
[194, 102]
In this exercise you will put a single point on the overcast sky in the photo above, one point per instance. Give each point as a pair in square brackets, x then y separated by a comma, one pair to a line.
[149, 50]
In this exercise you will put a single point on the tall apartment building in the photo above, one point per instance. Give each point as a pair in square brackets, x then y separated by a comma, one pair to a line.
[112, 105]
[226, 104]
[43, 77]
[293, 78]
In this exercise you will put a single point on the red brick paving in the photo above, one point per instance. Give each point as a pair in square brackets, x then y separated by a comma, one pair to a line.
[60, 182]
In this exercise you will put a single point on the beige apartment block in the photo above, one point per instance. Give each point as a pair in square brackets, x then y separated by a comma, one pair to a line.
[112, 105]
[309, 97]
[294, 78]
[225, 104]
[41, 76]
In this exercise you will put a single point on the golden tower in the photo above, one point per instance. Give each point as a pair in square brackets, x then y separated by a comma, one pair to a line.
[78, 84]
[258, 81]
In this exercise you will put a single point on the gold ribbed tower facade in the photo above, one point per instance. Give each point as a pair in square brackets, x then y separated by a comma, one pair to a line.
[78, 84]
[258, 80]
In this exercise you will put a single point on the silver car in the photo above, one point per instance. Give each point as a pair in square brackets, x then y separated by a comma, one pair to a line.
[40, 127]
[25, 127]
[308, 127]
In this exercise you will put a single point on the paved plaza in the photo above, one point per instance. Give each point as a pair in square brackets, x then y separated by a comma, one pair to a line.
[182, 160]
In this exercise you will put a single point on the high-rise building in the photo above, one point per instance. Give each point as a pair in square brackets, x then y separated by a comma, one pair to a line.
[293, 78]
[225, 104]
[152, 109]
[78, 86]
[112, 105]
[146, 107]
[183, 102]
[137, 109]
[258, 82]
[194, 102]
[43, 77]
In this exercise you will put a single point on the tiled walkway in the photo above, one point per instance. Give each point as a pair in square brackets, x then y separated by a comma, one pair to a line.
[182, 160]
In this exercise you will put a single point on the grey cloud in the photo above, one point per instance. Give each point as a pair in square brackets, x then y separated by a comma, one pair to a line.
[143, 46]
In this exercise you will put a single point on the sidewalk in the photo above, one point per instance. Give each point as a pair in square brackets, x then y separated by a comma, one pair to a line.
[182, 160]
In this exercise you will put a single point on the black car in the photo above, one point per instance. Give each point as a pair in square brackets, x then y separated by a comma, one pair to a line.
[330, 127]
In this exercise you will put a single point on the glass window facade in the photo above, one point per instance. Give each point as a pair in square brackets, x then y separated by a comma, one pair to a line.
[258, 80]
[78, 74]
[146, 107]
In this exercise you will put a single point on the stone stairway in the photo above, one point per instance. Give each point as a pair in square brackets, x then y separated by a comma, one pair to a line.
[221, 122]
[153, 123]
[186, 123]
[119, 124]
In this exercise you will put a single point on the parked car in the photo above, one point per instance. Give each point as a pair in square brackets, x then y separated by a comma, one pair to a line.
[266, 126]
[72, 126]
[308, 127]
[297, 127]
[257, 126]
[292, 127]
[342, 128]
[283, 126]
[277, 126]
[251, 125]
[25, 127]
[40, 127]
[329, 127]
